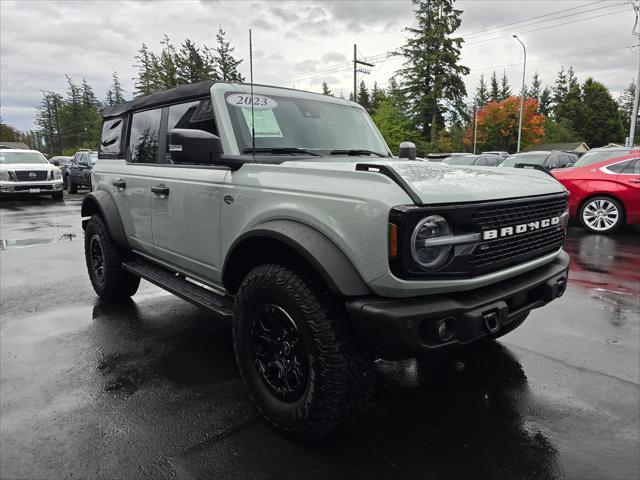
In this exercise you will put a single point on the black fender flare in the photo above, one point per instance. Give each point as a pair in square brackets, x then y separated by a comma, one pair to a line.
[102, 203]
[333, 266]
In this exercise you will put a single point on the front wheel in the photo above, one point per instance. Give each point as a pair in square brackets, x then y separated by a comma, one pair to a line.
[73, 187]
[301, 365]
[58, 195]
[104, 263]
[601, 215]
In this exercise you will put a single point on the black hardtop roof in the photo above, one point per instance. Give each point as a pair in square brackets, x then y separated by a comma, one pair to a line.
[176, 94]
[181, 92]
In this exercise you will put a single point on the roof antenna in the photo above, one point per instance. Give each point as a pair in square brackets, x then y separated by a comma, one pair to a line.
[253, 128]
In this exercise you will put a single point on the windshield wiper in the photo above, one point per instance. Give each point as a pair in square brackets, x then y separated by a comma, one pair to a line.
[356, 152]
[281, 150]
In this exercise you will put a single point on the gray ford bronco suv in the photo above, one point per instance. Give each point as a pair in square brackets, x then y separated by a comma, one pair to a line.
[323, 250]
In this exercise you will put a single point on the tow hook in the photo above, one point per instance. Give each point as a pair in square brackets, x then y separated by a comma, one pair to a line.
[491, 322]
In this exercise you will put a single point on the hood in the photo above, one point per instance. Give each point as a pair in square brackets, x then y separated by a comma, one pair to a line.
[26, 166]
[440, 183]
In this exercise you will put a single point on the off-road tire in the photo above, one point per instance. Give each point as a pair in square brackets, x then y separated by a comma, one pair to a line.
[59, 195]
[340, 370]
[605, 201]
[114, 284]
[73, 187]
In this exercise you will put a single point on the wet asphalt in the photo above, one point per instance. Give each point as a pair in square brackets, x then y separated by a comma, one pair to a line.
[150, 389]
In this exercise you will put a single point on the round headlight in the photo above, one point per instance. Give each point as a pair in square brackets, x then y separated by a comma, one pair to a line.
[425, 249]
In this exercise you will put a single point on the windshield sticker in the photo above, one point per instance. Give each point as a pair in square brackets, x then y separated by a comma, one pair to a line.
[243, 100]
[265, 122]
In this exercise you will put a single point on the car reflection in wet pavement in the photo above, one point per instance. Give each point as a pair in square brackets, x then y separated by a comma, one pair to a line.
[150, 388]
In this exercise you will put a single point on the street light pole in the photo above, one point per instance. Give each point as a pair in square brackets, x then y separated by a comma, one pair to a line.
[524, 69]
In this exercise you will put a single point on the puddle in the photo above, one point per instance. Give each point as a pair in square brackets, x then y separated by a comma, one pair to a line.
[32, 242]
[201, 364]
[47, 324]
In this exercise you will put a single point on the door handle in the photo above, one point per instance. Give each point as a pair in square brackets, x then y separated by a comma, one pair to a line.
[120, 184]
[634, 180]
[160, 190]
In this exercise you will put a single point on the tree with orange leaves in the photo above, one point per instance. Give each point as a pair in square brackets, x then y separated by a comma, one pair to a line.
[498, 125]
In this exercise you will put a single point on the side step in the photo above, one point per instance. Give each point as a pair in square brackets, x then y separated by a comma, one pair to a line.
[170, 281]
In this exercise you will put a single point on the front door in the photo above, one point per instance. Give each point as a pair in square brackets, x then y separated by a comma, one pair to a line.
[186, 200]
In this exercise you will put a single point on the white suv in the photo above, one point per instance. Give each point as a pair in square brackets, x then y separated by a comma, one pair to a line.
[28, 172]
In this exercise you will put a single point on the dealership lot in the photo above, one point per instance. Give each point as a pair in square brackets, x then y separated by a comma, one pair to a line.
[151, 389]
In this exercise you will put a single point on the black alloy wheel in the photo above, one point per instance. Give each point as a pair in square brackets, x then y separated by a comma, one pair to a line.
[279, 353]
[97, 258]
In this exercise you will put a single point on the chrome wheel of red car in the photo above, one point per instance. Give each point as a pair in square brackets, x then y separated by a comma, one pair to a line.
[601, 215]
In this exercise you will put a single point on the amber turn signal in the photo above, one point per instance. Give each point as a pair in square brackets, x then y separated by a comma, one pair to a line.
[393, 240]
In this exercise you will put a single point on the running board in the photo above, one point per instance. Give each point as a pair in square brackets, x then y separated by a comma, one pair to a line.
[172, 282]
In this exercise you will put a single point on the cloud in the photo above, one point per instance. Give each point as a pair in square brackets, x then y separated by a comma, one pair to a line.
[333, 57]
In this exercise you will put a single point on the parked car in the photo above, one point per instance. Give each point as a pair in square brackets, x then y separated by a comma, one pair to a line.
[545, 159]
[322, 249]
[61, 162]
[477, 160]
[604, 196]
[500, 154]
[78, 173]
[438, 157]
[597, 155]
[28, 172]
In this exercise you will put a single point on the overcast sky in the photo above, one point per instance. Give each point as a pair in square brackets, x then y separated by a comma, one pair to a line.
[295, 43]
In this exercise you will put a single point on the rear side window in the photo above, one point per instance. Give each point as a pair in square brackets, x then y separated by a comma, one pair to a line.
[197, 115]
[622, 167]
[111, 138]
[144, 137]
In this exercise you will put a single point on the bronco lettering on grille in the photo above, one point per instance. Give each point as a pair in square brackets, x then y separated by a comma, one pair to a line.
[522, 228]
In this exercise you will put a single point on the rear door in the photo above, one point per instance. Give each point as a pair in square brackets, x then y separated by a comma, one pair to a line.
[630, 178]
[186, 199]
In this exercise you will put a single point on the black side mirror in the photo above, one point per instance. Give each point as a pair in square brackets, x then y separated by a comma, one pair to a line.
[56, 163]
[193, 146]
[407, 150]
[570, 164]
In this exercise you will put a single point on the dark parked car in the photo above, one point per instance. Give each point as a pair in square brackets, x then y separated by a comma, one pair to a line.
[61, 162]
[477, 160]
[78, 173]
[438, 157]
[548, 160]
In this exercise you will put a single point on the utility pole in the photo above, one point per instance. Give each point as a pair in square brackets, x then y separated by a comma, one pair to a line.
[357, 62]
[475, 127]
[634, 113]
[524, 68]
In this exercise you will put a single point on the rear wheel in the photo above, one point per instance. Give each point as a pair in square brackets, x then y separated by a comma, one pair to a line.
[301, 365]
[601, 215]
[58, 195]
[65, 183]
[104, 263]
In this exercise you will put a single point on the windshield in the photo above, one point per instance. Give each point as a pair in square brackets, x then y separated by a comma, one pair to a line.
[288, 123]
[460, 160]
[534, 159]
[21, 157]
[93, 157]
[598, 156]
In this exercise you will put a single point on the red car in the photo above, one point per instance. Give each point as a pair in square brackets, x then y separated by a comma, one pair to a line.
[604, 196]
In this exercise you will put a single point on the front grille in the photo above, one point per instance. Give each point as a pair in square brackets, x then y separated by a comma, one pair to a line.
[495, 216]
[26, 188]
[519, 247]
[31, 175]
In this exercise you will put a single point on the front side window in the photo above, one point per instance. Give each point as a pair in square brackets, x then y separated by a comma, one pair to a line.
[197, 115]
[531, 159]
[597, 156]
[285, 122]
[144, 137]
[460, 160]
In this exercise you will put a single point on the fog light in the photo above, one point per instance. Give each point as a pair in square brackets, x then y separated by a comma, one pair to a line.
[446, 329]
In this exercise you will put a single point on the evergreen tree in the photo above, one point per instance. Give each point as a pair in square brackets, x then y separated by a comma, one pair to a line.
[168, 68]
[535, 90]
[482, 93]
[625, 103]
[544, 105]
[601, 122]
[569, 110]
[377, 95]
[325, 89]
[191, 64]
[363, 96]
[226, 66]
[560, 89]
[48, 119]
[495, 88]
[148, 77]
[505, 88]
[431, 72]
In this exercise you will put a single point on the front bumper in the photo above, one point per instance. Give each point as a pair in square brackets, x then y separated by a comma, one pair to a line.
[49, 186]
[406, 327]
